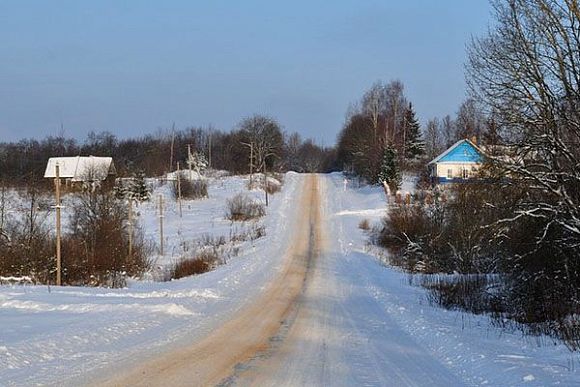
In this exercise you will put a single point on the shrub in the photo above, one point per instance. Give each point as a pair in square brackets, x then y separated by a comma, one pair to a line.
[190, 189]
[95, 251]
[364, 225]
[412, 233]
[26, 243]
[204, 261]
[256, 232]
[476, 293]
[243, 208]
[272, 185]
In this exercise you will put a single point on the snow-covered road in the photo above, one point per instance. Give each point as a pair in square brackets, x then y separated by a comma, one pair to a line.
[340, 334]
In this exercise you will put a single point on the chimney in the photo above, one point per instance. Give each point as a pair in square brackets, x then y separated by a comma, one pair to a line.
[474, 140]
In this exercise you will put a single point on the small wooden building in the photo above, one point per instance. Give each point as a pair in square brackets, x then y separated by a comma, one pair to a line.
[80, 169]
[457, 164]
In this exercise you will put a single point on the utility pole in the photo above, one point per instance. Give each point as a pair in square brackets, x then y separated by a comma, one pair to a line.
[172, 144]
[130, 226]
[160, 224]
[190, 161]
[265, 183]
[209, 151]
[251, 163]
[58, 257]
[179, 191]
[251, 146]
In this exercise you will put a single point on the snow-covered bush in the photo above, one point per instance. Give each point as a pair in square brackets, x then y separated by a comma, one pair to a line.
[190, 189]
[95, 249]
[242, 208]
[272, 185]
[197, 162]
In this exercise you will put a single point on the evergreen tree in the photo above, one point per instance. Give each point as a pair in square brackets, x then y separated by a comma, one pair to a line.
[414, 144]
[139, 190]
[119, 190]
[389, 172]
[197, 162]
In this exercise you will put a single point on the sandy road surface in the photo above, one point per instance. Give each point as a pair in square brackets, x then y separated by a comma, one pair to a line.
[216, 358]
[340, 335]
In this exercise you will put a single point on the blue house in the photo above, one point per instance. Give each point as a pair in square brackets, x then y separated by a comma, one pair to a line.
[457, 164]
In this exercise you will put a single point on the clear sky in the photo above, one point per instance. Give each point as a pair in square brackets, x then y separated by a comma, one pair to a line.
[131, 67]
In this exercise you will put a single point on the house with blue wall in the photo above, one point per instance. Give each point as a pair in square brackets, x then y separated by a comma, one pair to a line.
[457, 164]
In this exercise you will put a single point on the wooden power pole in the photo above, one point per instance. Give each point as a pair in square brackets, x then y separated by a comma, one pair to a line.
[251, 146]
[130, 226]
[179, 191]
[265, 184]
[172, 144]
[58, 257]
[190, 161]
[161, 224]
[209, 151]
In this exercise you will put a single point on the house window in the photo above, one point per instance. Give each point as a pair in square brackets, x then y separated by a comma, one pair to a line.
[465, 173]
[450, 173]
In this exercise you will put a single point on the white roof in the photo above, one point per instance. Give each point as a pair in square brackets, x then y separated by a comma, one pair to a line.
[80, 168]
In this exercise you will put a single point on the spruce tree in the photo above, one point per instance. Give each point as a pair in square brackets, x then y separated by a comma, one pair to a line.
[119, 190]
[414, 144]
[389, 172]
[139, 190]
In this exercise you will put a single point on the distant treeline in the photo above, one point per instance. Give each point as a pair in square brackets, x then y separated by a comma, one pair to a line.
[156, 154]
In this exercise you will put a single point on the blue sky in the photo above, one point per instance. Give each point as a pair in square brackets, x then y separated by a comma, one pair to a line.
[131, 67]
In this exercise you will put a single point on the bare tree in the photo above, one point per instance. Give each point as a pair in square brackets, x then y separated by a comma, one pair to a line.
[470, 121]
[448, 131]
[527, 72]
[291, 149]
[433, 139]
[265, 136]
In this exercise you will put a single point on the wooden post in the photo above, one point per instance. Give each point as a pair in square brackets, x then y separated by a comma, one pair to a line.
[209, 151]
[251, 146]
[265, 184]
[161, 224]
[130, 224]
[58, 257]
[172, 143]
[251, 164]
[189, 156]
[179, 191]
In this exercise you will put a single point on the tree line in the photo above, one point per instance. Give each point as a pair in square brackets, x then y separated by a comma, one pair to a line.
[156, 154]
